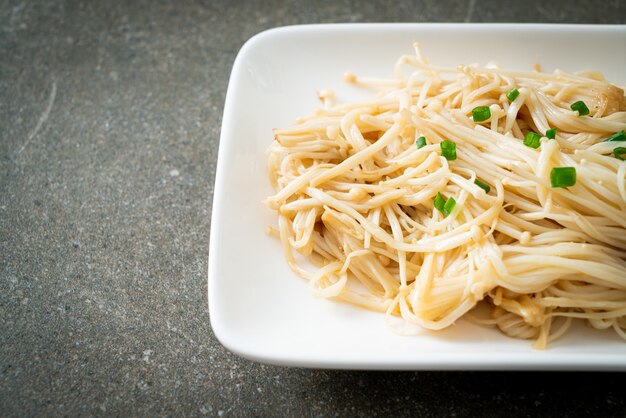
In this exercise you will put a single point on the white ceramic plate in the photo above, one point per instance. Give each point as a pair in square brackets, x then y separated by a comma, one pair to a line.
[259, 309]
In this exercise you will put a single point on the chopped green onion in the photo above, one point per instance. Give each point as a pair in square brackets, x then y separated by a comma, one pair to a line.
[551, 133]
[580, 107]
[440, 202]
[448, 149]
[421, 142]
[620, 153]
[512, 95]
[532, 140]
[482, 185]
[563, 176]
[449, 206]
[443, 206]
[481, 113]
[620, 136]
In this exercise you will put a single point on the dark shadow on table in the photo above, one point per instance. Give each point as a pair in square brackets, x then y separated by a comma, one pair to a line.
[469, 393]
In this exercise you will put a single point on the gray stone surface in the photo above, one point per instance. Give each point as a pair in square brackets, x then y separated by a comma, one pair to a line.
[109, 124]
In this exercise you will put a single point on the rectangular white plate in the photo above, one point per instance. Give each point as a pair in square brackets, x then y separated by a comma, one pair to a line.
[259, 309]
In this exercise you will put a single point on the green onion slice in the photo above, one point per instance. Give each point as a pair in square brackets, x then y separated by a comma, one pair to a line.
[512, 95]
[563, 176]
[481, 113]
[620, 153]
[532, 140]
[440, 202]
[449, 206]
[551, 133]
[421, 142]
[443, 206]
[448, 149]
[482, 185]
[580, 107]
[620, 136]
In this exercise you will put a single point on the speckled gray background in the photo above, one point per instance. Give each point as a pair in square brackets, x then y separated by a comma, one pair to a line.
[109, 123]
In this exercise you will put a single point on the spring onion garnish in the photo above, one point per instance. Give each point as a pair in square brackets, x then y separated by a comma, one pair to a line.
[444, 206]
[580, 107]
[421, 142]
[620, 153]
[481, 113]
[482, 185]
[448, 150]
[551, 133]
[532, 140]
[512, 95]
[449, 206]
[440, 202]
[563, 176]
[620, 136]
